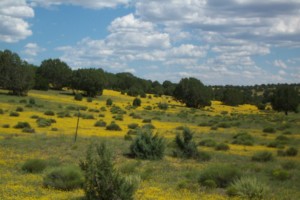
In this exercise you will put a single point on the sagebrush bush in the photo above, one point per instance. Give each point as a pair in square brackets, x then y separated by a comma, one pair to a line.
[280, 174]
[49, 113]
[243, 139]
[32, 101]
[89, 99]
[1, 111]
[269, 130]
[148, 146]
[288, 165]
[137, 102]
[208, 143]
[109, 102]
[42, 122]
[28, 130]
[263, 156]
[222, 175]
[113, 127]
[222, 147]
[34, 165]
[102, 180]
[186, 147]
[133, 126]
[147, 120]
[19, 109]
[163, 106]
[14, 114]
[148, 126]
[248, 188]
[78, 97]
[64, 178]
[20, 125]
[100, 123]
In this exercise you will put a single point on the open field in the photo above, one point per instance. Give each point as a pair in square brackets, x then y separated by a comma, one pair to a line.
[170, 178]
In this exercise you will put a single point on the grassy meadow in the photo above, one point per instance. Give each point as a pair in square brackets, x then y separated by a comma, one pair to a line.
[52, 118]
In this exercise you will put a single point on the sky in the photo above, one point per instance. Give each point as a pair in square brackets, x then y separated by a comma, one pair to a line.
[220, 42]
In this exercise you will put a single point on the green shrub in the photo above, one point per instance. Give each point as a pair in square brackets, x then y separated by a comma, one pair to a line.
[288, 165]
[280, 174]
[163, 106]
[148, 146]
[19, 109]
[118, 117]
[128, 137]
[222, 175]
[78, 97]
[54, 129]
[208, 143]
[223, 125]
[269, 130]
[49, 113]
[109, 102]
[23, 101]
[291, 151]
[132, 132]
[89, 99]
[42, 122]
[32, 101]
[113, 127]
[34, 165]
[22, 125]
[243, 139]
[287, 133]
[100, 123]
[209, 183]
[117, 110]
[14, 114]
[263, 156]
[148, 126]
[28, 130]
[64, 178]
[222, 147]
[87, 116]
[63, 114]
[102, 180]
[147, 121]
[5, 126]
[248, 188]
[133, 126]
[137, 102]
[101, 115]
[148, 108]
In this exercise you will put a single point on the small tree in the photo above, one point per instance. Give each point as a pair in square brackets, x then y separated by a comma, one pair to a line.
[109, 102]
[137, 102]
[102, 180]
[187, 148]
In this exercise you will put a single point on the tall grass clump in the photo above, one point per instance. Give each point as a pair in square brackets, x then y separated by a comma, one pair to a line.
[221, 175]
[148, 146]
[248, 188]
[34, 165]
[102, 180]
[64, 178]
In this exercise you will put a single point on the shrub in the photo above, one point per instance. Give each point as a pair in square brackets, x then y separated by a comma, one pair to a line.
[208, 143]
[148, 126]
[222, 147]
[19, 109]
[78, 97]
[89, 99]
[22, 125]
[42, 122]
[209, 183]
[243, 139]
[28, 130]
[137, 102]
[100, 123]
[224, 125]
[1, 111]
[291, 151]
[113, 127]
[222, 175]
[280, 174]
[102, 180]
[54, 129]
[64, 178]
[133, 126]
[148, 146]
[269, 130]
[288, 165]
[34, 117]
[287, 133]
[109, 102]
[118, 117]
[23, 101]
[163, 106]
[5, 126]
[63, 114]
[32, 101]
[263, 156]
[128, 137]
[248, 188]
[34, 165]
[87, 116]
[147, 121]
[14, 114]
[148, 108]
[49, 113]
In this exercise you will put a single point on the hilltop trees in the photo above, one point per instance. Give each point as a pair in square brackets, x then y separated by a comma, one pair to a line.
[232, 97]
[193, 93]
[285, 98]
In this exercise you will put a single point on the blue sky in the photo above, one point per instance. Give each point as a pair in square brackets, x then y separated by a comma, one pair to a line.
[239, 42]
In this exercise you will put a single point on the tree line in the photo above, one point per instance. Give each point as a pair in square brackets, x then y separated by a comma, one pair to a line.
[18, 76]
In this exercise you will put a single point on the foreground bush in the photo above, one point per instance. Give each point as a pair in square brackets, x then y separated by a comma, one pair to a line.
[221, 175]
[263, 156]
[148, 146]
[64, 178]
[248, 188]
[102, 180]
[34, 166]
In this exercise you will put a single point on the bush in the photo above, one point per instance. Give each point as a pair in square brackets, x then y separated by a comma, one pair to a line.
[288, 165]
[113, 127]
[118, 117]
[49, 113]
[64, 178]
[32, 101]
[63, 114]
[78, 97]
[89, 99]
[208, 143]
[137, 102]
[222, 175]
[243, 139]
[5, 126]
[34, 165]
[148, 146]
[148, 126]
[269, 130]
[280, 174]
[42, 122]
[163, 106]
[291, 151]
[147, 121]
[248, 188]
[102, 180]
[22, 125]
[133, 126]
[109, 102]
[14, 114]
[1, 111]
[19, 109]
[222, 147]
[100, 123]
[209, 183]
[28, 130]
[263, 156]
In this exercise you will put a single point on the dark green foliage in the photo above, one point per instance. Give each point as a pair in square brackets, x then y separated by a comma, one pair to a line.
[263, 156]
[223, 125]
[100, 124]
[109, 102]
[32, 101]
[19, 109]
[78, 97]
[222, 175]
[118, 117]
[5, 126]
[147, 120]
[34, 166]
[291, 151]
[137, 102]
[285, 98]
[23, 101]
[22, 125]
[117, 110]
[280, 174]
[232, 97]
[113, 127]
[243, 139]
[49, 113]
[163, 106]
[128, 137]
[193, 93]
[1, 111]
[209, 183]
[148, 126]
[63, 114]
[288, 165]
[42, 122]
[269, 130]
[89, 99]
[148, 146]
[222, 147]
[34, 117]
[28, 130]
[14, 114]
[102, 180]
[133, 126]
[64, 178]
[208, 143]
